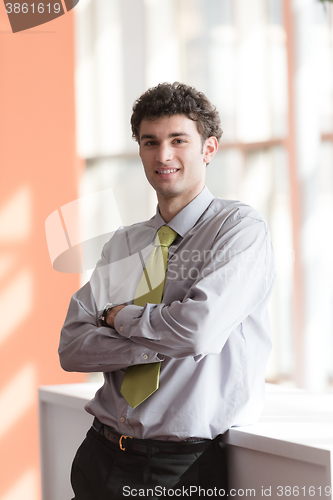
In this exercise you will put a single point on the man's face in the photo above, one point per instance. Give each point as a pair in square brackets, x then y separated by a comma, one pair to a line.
[174, 158]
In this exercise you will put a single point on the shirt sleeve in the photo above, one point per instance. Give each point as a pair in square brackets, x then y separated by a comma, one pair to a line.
[87, 347]
[233, 284]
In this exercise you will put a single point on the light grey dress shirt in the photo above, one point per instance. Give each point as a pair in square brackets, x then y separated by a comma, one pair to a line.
[211, 331]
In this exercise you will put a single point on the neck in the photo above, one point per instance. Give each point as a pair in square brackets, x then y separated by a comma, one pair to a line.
[170, 207]
[169, 210]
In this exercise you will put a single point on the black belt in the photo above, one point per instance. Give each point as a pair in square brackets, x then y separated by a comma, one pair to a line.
[149, 447]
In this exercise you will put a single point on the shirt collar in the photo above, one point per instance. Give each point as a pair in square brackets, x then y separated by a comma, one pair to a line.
[186, 218]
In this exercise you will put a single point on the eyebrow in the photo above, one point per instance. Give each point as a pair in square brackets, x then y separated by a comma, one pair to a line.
[174, 134]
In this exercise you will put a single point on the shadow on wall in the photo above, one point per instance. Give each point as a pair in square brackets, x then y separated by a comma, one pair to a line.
[18, 394]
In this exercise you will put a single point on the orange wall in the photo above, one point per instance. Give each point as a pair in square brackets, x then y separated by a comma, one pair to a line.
[39, 172]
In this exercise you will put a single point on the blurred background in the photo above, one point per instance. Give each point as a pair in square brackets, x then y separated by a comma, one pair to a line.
[66, 92]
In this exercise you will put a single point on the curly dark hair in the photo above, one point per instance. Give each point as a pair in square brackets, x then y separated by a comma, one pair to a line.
[167, 99]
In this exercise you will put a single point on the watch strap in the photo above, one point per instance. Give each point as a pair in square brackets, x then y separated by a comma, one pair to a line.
[102, 316]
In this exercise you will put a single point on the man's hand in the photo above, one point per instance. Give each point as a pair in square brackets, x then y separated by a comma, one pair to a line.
[110, 317]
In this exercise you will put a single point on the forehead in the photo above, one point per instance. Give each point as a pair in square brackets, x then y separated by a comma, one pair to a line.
[166, 126]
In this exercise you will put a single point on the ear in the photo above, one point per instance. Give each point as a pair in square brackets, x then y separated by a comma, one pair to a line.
[209, 148]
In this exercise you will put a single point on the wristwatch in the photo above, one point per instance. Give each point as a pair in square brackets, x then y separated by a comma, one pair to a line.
[102, 316]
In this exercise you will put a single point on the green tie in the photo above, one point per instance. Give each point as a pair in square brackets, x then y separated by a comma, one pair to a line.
[140, 381]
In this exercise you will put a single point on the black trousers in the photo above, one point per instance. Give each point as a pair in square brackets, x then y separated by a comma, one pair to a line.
[101, 471]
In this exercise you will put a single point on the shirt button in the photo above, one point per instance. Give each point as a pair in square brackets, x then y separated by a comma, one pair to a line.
[121, 328]
[122, 419]
[145, 356]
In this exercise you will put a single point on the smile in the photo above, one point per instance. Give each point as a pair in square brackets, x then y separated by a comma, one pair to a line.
[167, 170]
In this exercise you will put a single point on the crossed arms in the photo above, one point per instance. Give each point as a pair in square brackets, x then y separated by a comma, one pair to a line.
[228, 292]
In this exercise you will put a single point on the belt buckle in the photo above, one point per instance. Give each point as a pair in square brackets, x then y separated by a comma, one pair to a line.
[120, 441]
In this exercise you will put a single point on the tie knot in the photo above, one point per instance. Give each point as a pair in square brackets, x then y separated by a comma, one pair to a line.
[165, 236]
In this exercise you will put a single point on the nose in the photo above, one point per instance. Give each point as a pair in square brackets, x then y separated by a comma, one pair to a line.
[164, 153]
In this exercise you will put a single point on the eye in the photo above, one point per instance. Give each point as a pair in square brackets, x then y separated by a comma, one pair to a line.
[150, 143]
[179, 141]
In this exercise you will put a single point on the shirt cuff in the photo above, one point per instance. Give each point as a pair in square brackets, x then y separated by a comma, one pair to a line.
[122, 325]
[124, 317]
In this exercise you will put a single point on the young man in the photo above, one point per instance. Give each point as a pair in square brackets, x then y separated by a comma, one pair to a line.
[183, 344]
